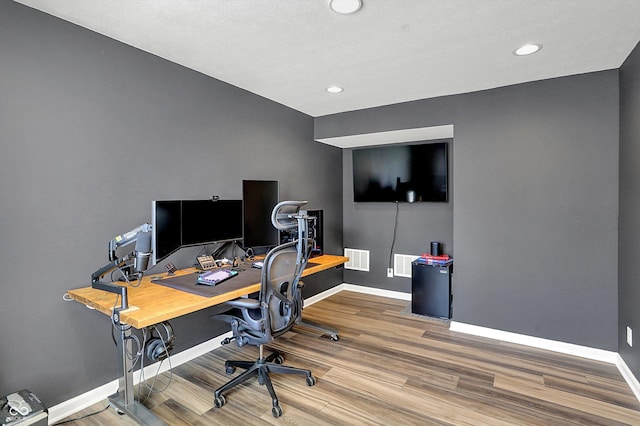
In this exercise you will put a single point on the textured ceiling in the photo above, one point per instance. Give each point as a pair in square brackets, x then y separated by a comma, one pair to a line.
[391, 51]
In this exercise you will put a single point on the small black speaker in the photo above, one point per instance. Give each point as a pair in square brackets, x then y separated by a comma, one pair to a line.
[436, 248]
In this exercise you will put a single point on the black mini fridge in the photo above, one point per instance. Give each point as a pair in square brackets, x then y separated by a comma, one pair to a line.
[431, 289]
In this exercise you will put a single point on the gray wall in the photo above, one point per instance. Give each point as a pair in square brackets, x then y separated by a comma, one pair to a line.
[535, 205]
[91, 131]
[535, 224]
[629, 266]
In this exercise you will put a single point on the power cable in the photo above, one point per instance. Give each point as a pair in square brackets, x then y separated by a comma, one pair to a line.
[393, 241]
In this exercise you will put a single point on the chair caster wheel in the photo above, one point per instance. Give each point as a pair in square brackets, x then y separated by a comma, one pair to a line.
[279, 359]
[311, 381]
[219, 401]
[230, 369]
[276, 411]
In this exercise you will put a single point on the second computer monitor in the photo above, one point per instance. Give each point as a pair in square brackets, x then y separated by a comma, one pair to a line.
[259, 198]
[206, 221]
[178, 223]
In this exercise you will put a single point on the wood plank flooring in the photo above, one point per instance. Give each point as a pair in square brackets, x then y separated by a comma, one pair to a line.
[391, 368]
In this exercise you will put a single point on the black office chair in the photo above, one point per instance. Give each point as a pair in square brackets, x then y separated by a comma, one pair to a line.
[259, 321]
[288, 217]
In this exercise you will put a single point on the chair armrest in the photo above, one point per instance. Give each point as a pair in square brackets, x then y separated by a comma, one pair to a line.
[243, 303]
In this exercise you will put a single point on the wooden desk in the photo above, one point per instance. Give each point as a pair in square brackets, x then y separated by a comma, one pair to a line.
[150, 304]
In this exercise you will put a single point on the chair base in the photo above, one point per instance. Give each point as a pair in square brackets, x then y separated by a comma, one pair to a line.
[261, 368]
[310, 325]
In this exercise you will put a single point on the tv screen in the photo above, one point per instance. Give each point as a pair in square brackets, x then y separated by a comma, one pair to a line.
[259, 198]
[401, 173]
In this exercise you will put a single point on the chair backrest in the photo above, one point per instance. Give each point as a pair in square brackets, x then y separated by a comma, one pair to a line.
[280, 275]
[284, 214]
[283, 268]
[287, 216]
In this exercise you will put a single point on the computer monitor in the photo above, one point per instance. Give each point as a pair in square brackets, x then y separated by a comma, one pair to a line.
[208, 221]
[178, 223]
[259, 198]
[166, 236]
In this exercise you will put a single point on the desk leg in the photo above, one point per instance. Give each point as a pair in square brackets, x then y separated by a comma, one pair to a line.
[124, 399]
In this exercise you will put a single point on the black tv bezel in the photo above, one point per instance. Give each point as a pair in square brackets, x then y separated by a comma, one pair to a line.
[392, 195]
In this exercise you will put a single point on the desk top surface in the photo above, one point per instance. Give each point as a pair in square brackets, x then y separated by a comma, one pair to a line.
[151, 303]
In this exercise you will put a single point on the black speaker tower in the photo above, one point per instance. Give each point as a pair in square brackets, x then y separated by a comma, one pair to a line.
[315, 232]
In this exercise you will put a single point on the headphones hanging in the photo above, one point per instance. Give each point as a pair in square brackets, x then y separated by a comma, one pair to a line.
[158, 348]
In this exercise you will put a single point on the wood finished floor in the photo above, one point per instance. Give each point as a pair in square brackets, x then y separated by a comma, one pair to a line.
[394, 369]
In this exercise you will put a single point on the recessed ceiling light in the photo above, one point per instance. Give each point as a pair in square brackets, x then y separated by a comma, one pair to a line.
[527, 49]
[334, 89]
[345, 6]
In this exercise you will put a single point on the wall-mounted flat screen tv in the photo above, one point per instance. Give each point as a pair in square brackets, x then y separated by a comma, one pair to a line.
[401, 173]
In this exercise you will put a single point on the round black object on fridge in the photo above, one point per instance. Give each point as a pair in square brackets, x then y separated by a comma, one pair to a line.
[436, 248]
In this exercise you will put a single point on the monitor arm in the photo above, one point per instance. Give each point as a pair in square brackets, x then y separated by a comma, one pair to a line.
[126, 239]
[140, 255]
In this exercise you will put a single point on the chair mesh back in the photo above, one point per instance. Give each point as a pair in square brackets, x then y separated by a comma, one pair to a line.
[279, 282]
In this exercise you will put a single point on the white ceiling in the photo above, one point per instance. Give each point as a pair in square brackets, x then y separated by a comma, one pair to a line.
[390, 51]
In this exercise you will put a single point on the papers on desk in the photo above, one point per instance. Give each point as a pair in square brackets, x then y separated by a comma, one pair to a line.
[216, 277]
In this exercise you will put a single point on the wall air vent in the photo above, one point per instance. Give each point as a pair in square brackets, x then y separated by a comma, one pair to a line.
[358, 259]
[402, 264]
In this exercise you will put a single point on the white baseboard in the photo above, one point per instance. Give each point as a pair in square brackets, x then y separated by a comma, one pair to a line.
[556, 346]
[552, 345]
[87, 399]
[536, 342]
[628, 377]
[318, 297]
[392, 294]
[80, 402]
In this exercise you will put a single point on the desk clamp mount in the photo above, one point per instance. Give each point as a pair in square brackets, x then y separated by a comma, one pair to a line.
[141, 235]
[112, 288]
